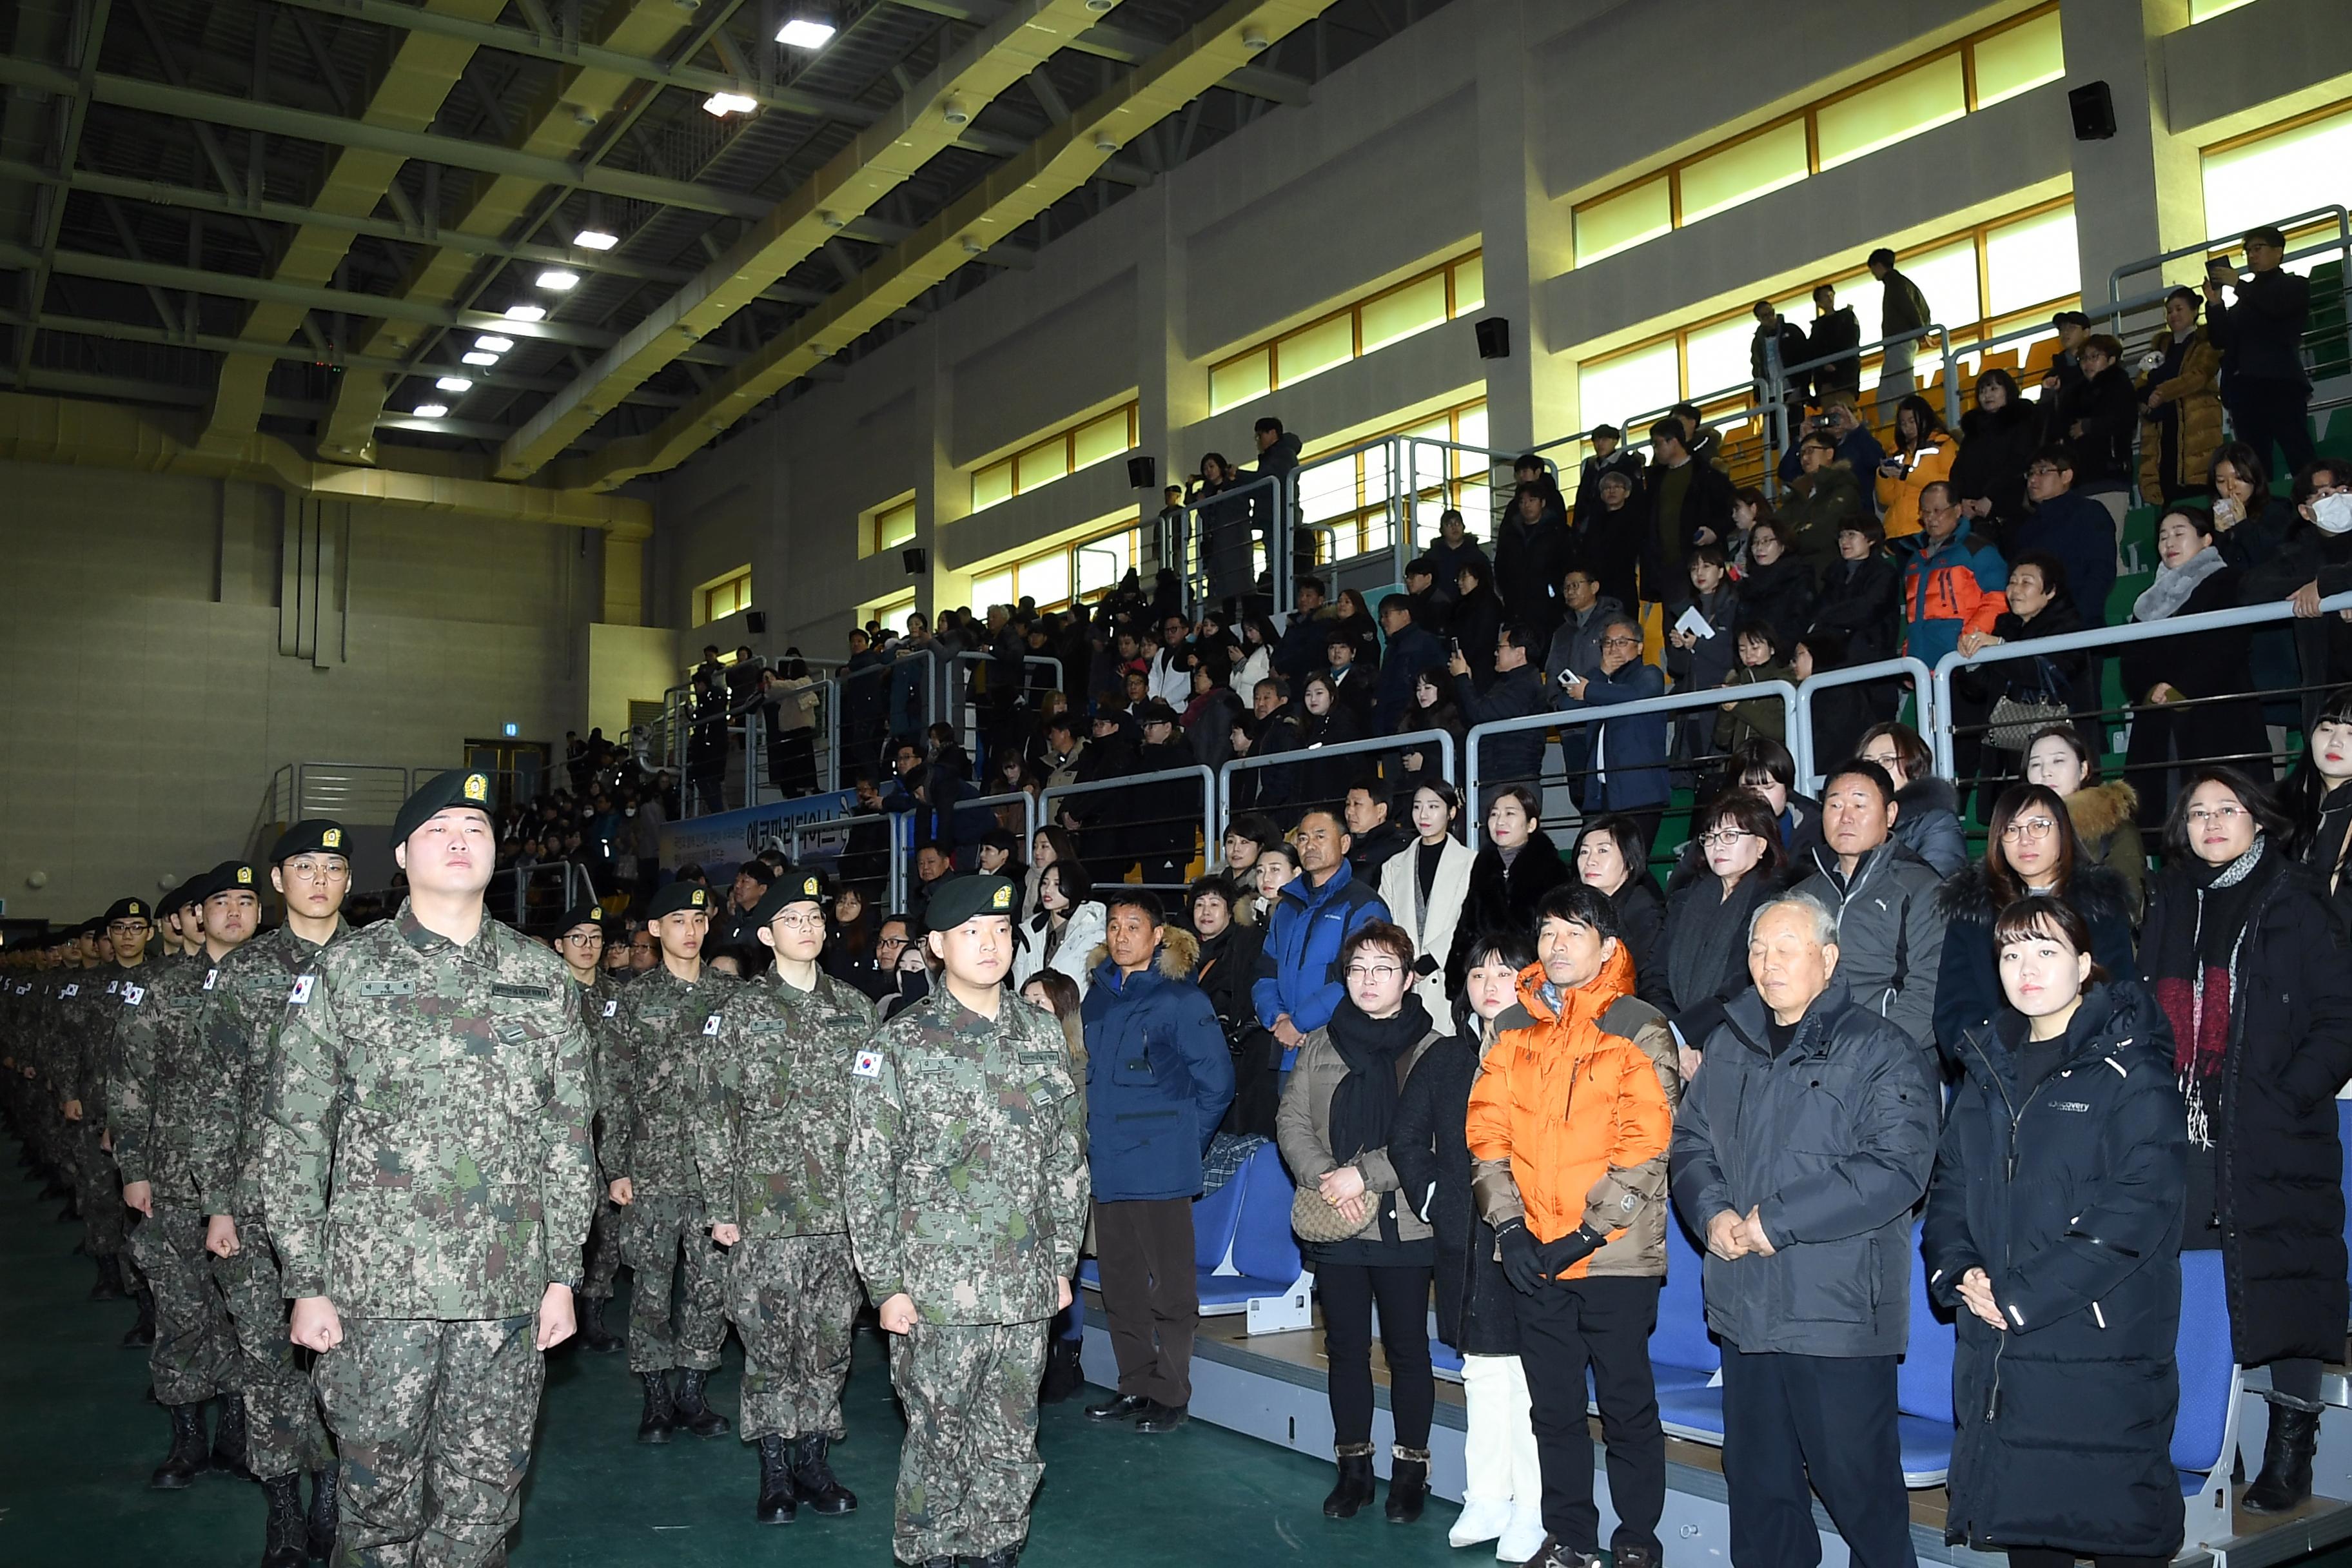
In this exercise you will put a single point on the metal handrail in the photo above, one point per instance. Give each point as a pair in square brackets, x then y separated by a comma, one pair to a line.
[2099, 638]
[1802, 730]
[1194, 572]
[969, 728]
[894, 864]
[1399, 509]
[1372, 745]
[1588, 716]
[1202, 774]
[2222, 242]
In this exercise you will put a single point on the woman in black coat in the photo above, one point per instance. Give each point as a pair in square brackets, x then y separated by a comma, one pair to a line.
[1330, 721]
[1861, 597]
[1997, 438]
[2250, 972]
[2053, 1231]
[2030, 848]
[1612, 855]
[1701, 954]
[1777, 587]
[1433, 708]
[1516, 868]
[1225, 922]
[1531, 551]
[1477, 619]
[2161, 674]
[1476, 1314]
[2039, 606]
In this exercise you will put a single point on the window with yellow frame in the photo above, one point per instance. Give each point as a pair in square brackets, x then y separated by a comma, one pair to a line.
[1984, 68]
[1444, 293]
[723, 596]
[1057, 575]
[1346, 502]
[889, 526]
[1095, 439]
[2296, 166]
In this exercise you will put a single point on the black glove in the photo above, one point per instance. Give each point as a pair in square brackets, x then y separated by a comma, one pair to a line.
[1522, 1262]
[1559, 1257]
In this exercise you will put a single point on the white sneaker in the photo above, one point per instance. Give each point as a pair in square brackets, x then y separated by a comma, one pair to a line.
[1523, 1537]
[1480, 1521]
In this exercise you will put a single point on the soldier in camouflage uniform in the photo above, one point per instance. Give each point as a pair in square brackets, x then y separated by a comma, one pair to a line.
[654, 1082]
[152, 1110]
[237, 1029]
[769, 1151]
[97, 1186]
[426, 1170]
[967, 1196]
[580, 943]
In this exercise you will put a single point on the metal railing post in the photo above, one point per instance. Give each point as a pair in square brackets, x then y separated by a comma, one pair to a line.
[1198, 774]
[1801, 734]
[1375, 745]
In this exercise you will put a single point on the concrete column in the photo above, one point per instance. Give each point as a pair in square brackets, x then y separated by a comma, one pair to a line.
[1170, 396]
[2139, 192]
[1525, 234]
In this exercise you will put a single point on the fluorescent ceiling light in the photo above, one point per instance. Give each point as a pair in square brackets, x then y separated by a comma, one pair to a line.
[809, 30]
[431, 410]
[726, 103]
[556, 280]
[454, 384]
[596, 239]
[491, 343]
[526, 313]
[479, 357]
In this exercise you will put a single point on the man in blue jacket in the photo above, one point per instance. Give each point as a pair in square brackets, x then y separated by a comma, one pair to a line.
[1627, 756]
[1298, 984]
[1159, 1079]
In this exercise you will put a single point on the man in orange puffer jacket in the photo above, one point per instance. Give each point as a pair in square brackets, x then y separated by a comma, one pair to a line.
[1569, 1125]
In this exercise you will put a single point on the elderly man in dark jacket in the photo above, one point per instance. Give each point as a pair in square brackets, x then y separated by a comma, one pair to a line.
[1799, 1152]
[1158, 1084]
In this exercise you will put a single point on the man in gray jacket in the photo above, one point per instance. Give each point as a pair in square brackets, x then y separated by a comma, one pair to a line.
[1890, 926]
[1799, 1152]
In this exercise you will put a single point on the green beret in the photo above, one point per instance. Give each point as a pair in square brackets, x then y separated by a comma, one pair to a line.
[678, 898]
[228, 877]
[578, 915]
[318, 835]
[793, 885]
[960, 899]
[128, 910]
[457, 787]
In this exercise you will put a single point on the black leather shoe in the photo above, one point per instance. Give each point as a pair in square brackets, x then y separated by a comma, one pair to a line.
[694, 1411]
[187, 1459]
[778, 1502]
[326, 1517]
[228, 1438]
[660, 1417]
[593, 1334]
[813, 1477]
[1158, 1417]
[1119, 1407]
[282, 1542]
[1356, 1486]
[2286, 1479]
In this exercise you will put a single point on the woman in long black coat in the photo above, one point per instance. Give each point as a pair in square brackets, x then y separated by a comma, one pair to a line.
[1431, 1150]
[2053, 1231]
[1516, 868]
[2240, 953]
[2162, 675]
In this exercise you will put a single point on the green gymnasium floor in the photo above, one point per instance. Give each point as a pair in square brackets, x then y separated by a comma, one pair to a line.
[77, 1440]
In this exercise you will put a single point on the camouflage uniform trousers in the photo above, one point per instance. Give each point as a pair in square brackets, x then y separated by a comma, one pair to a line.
[433, 1420]
[192, 1358]
[604, 1251]
[283, 1433]
[97, 1188]
[655, 1232]
[969, 1464]
[794, 1301]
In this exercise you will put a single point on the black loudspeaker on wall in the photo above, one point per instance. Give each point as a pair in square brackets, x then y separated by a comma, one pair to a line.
[2093, 108]
[1495, 338]
[755, 621]
[1143, 473]
[916, 558]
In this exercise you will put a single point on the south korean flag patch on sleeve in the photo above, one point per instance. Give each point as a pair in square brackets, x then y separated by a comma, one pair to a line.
[611, 1008]
[710, 1024]
[133, 994]
[867, 1065]
[300, 996]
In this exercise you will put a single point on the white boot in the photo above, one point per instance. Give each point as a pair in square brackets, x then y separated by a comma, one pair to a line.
[1482, 1519]
[1524, 1536]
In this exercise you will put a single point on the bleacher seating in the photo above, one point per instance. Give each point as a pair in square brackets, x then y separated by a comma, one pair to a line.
[2344, 1137]
[1214, 1217]
[2205, 1432]
[1261, 1258]
[1923, 1422]
[1687, 1363]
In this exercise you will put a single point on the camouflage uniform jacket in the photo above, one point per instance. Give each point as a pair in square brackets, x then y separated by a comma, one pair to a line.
[94, 1047]
[966, 1178]
[773, 1135]
[600, 1009]
[152, 1087]
[237, 1029]
[73, 999]
[654, 1075]
[424, 1125]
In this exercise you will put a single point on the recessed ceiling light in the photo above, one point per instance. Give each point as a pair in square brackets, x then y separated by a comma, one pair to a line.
[596, 239]
[454, 384]
[479, 357]
[808, 30]
[491, 343]
[723, 104]
[431, 410]
[526, 313]
[557, 280]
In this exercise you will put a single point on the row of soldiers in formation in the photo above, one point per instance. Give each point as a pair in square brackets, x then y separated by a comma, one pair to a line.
[356, 1177]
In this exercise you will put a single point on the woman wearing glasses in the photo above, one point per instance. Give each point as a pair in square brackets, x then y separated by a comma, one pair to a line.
[1704, 953]
[2030, 848]
[1338, 1113]
[2250, 975]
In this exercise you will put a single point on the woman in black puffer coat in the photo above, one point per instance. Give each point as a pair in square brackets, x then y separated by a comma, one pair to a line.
[2053, 1233]
[1516, 868]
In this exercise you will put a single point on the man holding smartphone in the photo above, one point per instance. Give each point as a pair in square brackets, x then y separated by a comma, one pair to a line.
[2260, 335]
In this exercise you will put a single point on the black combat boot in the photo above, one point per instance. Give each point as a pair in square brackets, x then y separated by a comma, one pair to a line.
[1063, 1376]
[1003, 1557]
[694, 1411]
[186, 1460]
[326, 1517]
[2286, 1479]
[1356, 1486]
[661, 1415]
[284, 1542]
[56, 1187]
[779, 1503]
[110, 1280]
[228, 1438]
[71, 1213]
[593, 1331]
[1408, 1484]
[141, 1334]
[813, 1477]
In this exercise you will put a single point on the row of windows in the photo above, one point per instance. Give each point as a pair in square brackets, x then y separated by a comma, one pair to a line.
[1440, 295]
[1347, 500]
[1053, 577]
[723, 596]
[1977, 72]
[1058, 455]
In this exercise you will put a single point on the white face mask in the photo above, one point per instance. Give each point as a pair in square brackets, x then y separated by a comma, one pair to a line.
[2333, 513]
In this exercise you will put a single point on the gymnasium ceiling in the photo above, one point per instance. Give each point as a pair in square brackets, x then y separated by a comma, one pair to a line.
[277, 224]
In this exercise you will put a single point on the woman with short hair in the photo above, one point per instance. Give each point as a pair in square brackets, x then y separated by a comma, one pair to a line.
[1701, 954]
[1516, 868]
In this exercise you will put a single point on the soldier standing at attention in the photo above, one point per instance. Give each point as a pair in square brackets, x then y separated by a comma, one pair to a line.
[236, 1030]
[769, 1147]
[654, 1067]
[580, 943]
[98, 1187]
[967, 1196]
[426, 1170]
[152, 1102]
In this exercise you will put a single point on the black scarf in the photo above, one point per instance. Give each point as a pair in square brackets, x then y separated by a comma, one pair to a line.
[1715, 928]
[1363, 1103]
